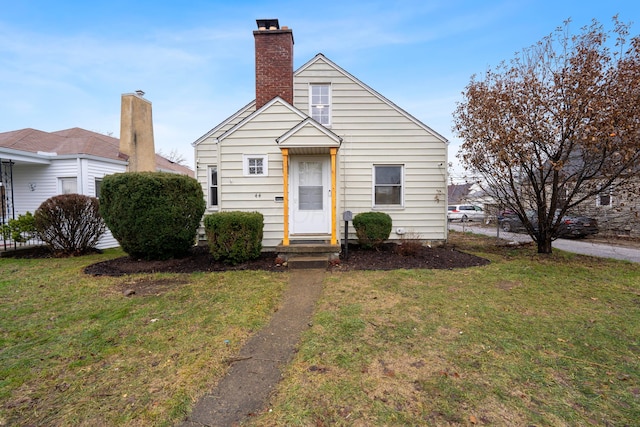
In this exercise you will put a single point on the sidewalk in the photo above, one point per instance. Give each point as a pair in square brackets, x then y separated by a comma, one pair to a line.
[583, 247]
[256, 370]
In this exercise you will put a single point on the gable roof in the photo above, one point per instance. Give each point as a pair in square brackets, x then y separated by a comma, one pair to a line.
[457, 192]
[309, 137]
[243, 113]
[232, 120]
[75, 142]
[309, 123]
[276, 100]
[321, 57]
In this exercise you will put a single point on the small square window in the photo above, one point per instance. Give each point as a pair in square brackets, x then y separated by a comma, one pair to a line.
[604, 199]
[255, 165]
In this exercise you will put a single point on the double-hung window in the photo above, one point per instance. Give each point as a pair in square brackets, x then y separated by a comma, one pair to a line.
[320, 103]
[388, 185]
[213, 186]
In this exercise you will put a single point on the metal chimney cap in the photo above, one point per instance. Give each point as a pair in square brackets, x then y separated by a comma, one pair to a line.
[140, 92]
[268, 24]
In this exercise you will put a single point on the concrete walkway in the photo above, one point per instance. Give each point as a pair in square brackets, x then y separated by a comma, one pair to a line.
[257, 368]
[570, 245]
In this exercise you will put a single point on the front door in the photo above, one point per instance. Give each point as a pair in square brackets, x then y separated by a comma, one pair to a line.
[310, 195]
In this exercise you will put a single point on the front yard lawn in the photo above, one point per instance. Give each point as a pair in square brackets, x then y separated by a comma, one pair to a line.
[525, 340]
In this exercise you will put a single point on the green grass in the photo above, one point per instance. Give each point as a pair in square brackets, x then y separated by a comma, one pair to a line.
[525, 340]
[75, 351]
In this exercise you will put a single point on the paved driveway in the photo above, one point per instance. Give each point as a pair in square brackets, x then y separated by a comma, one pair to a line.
[583, 247]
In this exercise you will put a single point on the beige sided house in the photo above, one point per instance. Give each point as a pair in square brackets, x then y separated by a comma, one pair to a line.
[318, 142]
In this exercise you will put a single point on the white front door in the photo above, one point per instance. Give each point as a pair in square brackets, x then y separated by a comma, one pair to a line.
[310, 195]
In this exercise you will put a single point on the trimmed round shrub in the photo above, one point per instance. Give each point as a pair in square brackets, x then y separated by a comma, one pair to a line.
[234, 237]
[153, 215]
[372, 228]
[69, 224]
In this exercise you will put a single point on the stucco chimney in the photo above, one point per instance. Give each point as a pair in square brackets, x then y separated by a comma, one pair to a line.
[136, 132]
[274, 62]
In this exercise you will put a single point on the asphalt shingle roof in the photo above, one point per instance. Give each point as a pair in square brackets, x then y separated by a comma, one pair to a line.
[76, 141]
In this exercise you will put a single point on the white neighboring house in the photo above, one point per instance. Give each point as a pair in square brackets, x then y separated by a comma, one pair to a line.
[318, 142]
[37, 165]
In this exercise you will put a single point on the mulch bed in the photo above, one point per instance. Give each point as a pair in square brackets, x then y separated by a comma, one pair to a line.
[385, 258]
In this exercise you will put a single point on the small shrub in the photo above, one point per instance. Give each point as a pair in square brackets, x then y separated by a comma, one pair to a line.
[234, 237]
[372, 228]
[70, 224]
[21, 229]
[153, 215]
[410, 244]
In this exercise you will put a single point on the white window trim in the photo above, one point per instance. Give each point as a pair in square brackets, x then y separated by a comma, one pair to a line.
[265, 164]
[598, 204]
[373, 188]
[329, 106]
[210, 186]
[60, 183]
[97, 182]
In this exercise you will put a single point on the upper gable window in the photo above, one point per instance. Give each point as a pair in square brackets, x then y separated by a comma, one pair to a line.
[255, 165]
[320, 103]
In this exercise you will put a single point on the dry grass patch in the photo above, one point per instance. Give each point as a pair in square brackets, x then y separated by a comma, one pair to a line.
[526, 340]
[76, 351]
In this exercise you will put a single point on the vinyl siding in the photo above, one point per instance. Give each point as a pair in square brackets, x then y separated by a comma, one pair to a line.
[206, 154]
[256, 193]
[377, 133]
[45, 178]
[98, 170]
[248, 193]
[374, 132]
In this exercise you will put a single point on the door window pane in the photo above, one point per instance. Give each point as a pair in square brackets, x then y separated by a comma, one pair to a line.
[310, 190]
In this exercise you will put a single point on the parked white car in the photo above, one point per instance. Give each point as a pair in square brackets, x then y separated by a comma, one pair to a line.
[465, 213]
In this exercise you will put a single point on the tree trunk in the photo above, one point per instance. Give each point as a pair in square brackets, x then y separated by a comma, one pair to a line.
[544, 243]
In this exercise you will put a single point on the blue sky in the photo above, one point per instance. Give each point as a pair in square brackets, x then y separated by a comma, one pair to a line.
[65, 64]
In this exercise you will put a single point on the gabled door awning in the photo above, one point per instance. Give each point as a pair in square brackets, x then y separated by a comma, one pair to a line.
[309, 137]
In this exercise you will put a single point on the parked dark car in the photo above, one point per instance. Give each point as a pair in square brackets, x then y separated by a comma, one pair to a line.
[571, 226]
[510, 222]
[578, 226]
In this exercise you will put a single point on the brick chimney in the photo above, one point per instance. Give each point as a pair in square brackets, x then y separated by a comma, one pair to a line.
[136, 132]
[274, 62]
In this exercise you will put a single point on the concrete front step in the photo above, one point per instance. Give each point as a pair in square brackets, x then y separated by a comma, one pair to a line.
[308, 262]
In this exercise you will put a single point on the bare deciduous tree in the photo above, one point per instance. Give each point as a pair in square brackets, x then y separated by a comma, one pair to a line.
[557, 125]
[174, 156]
